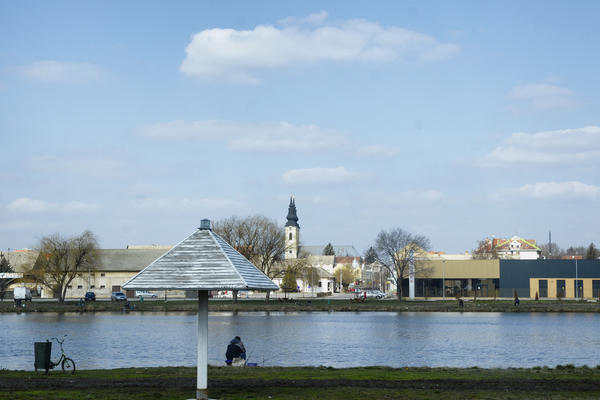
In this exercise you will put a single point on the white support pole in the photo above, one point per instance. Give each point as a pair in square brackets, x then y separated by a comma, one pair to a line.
[411, 276]
[202, 378]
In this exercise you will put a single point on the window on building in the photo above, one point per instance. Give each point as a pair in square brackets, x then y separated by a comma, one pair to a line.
[320, 284]
[92, 286]
[560, 288]
[290, 235]
[596, 288]
[69, 287]
[79, 286]
[578, 288]
[543, 288]
[102, 274]
[102, 287]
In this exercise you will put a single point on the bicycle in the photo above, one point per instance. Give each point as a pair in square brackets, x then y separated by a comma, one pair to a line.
[66, 363]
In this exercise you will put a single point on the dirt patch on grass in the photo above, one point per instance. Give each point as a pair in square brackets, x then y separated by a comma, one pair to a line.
[521, 385]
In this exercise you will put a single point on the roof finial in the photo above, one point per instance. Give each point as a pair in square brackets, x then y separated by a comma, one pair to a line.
[205, 224]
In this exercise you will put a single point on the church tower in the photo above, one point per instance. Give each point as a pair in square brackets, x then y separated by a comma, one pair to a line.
[292, 231]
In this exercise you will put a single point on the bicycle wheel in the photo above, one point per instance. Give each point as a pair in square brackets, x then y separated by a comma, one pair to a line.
[68, 365]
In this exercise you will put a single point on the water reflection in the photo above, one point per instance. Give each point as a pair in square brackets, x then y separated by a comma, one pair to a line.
[111, 340]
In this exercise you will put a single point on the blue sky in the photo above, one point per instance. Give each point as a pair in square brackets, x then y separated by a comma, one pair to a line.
[457, 121]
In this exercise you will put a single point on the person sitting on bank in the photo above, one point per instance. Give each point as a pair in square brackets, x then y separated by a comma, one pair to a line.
[236, 352]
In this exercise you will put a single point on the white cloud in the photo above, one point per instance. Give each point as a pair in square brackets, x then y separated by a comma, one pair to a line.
[555, 190]
[236, 56]
[25, 205]
[560, 146]
[319, 176]
[50, 71]
[543, 96]
[264, 136]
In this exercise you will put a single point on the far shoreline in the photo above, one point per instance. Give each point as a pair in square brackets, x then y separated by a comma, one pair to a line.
[308, 304]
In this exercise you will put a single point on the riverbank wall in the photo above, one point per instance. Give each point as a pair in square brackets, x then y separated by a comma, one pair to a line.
[307, 304]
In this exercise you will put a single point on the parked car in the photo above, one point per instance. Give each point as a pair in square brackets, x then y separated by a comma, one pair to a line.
[143, 293]
[118, 296]
[374, 293]
[225, 294]
[22, 293]
[90, 296]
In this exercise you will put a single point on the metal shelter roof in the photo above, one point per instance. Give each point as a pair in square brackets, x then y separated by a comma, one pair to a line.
[202, 261]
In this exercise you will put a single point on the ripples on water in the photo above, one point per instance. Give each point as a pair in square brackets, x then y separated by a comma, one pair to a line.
[113, 340]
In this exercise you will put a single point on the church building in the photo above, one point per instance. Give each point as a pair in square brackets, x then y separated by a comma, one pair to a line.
[292, 231]
[345, 255]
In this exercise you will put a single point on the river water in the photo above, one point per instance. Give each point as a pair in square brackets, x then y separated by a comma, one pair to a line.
[341, 339]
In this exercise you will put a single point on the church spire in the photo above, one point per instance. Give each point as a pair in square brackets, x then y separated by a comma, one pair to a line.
[292, 218]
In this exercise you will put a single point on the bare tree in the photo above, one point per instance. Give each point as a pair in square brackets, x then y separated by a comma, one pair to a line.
[61, 260]
[5, 268]
[395, 250]
[592, 252]
[576, 251]
[257, 238]
[551, 250]
[485, 250]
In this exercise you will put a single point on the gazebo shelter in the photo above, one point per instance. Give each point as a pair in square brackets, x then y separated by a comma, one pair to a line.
[204, 262]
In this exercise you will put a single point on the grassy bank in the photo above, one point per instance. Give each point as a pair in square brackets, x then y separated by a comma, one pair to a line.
[566, 382]
[313, 305]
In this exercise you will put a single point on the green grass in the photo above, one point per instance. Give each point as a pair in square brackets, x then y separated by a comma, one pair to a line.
[96, 394]
[255, 383]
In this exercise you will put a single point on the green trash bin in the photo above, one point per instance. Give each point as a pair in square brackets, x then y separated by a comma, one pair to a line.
[42, 355]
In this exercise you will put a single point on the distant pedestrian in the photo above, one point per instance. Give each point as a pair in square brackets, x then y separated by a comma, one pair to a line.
[517, 301]
[236, 352]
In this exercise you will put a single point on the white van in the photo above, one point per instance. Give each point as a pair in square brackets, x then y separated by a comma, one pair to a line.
[22, 293]
[144, 293]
